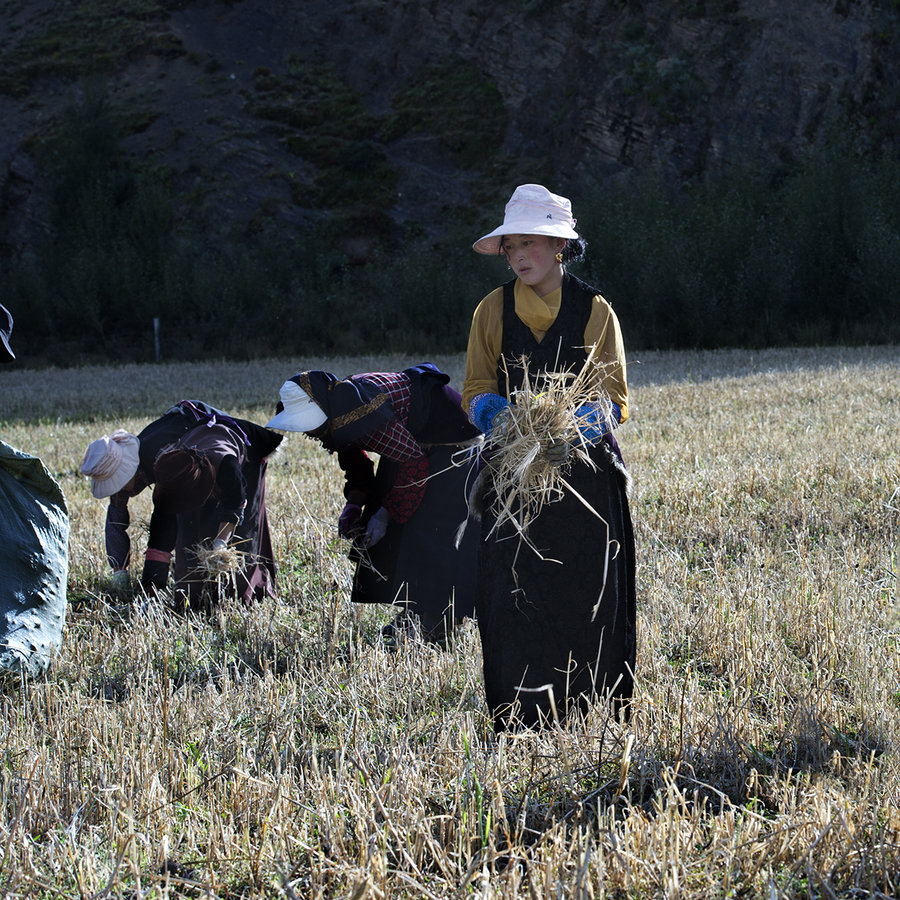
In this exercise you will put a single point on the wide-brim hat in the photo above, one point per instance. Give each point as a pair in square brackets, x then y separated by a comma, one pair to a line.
[300, 413]
[6, 327]
[111, 462]
[532, 209]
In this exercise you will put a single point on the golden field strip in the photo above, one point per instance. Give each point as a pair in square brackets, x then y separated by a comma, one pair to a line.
[279, 751]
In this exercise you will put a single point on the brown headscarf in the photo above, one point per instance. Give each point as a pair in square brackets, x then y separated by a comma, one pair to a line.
[185, 479]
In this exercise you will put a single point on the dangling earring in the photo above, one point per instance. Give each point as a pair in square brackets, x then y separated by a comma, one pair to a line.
[559, 256]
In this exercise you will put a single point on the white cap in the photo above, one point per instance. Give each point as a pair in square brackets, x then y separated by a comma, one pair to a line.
[301, 412]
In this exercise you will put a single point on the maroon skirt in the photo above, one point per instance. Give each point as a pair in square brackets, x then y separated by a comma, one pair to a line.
[256, 578]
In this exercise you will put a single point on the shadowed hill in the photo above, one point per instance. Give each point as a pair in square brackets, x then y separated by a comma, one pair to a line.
[229, 165]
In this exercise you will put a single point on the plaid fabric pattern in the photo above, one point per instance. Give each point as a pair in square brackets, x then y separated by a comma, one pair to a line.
[403, 499]
[395, 443]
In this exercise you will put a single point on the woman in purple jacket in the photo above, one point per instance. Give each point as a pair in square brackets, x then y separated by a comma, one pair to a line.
[209, 475]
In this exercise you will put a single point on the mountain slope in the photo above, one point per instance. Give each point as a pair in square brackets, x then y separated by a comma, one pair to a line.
[384, 118]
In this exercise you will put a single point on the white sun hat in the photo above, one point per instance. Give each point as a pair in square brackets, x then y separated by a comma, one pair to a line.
[532, 209]
[301, 412]
[111, 462]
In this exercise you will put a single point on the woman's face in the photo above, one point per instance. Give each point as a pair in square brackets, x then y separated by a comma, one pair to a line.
[533, 258]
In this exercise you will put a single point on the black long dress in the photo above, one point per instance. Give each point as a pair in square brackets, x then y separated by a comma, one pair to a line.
[558, 631]
[416, 565]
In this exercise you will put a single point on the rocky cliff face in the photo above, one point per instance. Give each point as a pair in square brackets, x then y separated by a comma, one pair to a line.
[412, 112]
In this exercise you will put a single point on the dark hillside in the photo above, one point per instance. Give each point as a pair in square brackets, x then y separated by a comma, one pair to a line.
[280, 150]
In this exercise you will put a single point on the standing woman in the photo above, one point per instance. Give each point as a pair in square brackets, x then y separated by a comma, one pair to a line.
[558, 627]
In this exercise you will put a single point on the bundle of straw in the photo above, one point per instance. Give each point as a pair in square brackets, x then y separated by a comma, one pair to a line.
[542, 413]
[223, 561]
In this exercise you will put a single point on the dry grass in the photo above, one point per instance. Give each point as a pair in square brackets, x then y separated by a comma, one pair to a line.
[280, 752]
[544, 413]
[219, 561]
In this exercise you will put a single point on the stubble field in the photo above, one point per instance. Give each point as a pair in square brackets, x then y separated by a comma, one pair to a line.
[280, 751]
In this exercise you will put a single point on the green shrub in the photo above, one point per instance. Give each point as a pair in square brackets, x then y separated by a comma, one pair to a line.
[753, 260]
[455, 102]
[745, 259]
[86, 38]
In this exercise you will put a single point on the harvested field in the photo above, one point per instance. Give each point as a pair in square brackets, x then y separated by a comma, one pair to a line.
[280, 751]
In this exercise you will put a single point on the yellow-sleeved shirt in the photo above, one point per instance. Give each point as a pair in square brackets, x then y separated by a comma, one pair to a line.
[539, 313]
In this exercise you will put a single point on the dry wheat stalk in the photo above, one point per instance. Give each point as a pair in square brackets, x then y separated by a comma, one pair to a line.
[220, 561]
[763, 757]
[543, 412]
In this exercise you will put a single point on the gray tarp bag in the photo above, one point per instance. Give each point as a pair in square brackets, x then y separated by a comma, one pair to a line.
[34, 563]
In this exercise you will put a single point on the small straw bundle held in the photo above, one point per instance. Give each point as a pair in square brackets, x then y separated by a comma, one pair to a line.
[546, 411]
[221, 561]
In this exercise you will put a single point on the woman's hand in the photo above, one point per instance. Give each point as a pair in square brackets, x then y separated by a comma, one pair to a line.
[500, 423]
[556, 452]
[220, 541]
[376, 528]
[348, 523]
[120, 581]
[156, 569]
[489, 412]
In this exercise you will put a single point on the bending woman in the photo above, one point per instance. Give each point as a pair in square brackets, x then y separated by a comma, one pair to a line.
[557, 628]
[122, 465]
[402, 517]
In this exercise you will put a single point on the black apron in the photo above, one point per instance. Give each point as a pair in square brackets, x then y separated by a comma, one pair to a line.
[417, 564]
[559, 630]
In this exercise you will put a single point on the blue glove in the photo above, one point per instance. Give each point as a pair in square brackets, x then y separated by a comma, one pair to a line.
[483, 411]
[592, 423]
